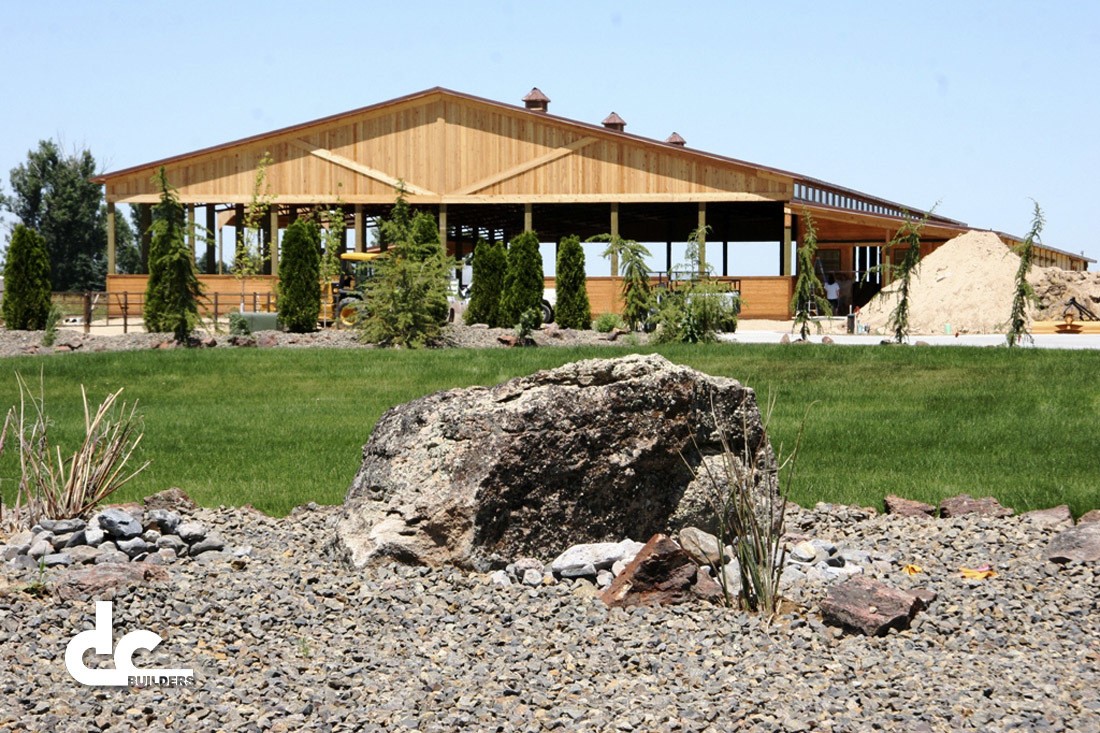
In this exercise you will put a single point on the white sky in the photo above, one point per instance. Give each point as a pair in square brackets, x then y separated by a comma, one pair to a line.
[978, 105]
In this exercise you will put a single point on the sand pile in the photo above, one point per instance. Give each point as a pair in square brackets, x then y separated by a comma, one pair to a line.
[1054, 287]
[965, 286]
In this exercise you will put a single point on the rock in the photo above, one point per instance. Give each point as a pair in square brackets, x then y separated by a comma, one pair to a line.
[500, 578]
[604, 579]
[163, 556]
[266, 339]
[532, 577]
[826, 340]
[1090, 516]
[173, 500]
[803, 552]
[172, 542]
[57, 558]
[785, 339]
[135, 546]
[662, 573]
[164, 521]
[581, 561]
[107, 557]
[191, 532]
[151, 536]
[590, 451]
[1055, 516]
[211, 543]
[119, 524]
[83, 554]
[209, 342]
[93, 533]
[242, 341]
[926, 597]
[39, 549]
[508, 341]
[21, 540]
[957, 506]
[868, 606]
[703, 547]
[1076, 544]
[106, 581]
[908, 507]
[61, 526]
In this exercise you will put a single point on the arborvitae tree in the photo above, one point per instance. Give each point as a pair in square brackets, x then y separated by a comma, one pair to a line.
[26, 281]
[808, 290]
[405, 303]
[173, 289]
[300, 277]
[488, 280]
[573, 310]
[1024, 295]
[522, 278]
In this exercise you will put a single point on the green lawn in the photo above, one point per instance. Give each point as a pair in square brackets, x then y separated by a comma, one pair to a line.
[277, 428]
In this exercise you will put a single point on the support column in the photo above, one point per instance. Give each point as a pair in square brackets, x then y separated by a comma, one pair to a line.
[360, 229]
[785, 245]
[443, 226]
[273, 239]
[192, 240]
[725, 258]
[221, 250]
[702, 238]
[145, 220]
[211, 224]
[111, 270]
[528, 218]
[614, 239]
[887, 260]
[238, 212]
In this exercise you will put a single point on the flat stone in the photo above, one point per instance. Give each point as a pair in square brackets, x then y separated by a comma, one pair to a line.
[93, 533]
[191, 532]
[661, 573]
[211, 543]
[83, 554]
[957, 506]
[907, 507]
[108, 557]
[1076, 544]
[164, 521]
[119, 524]
[172, 542]
[703, 547]
[868, 606]
[1055, 516]
[55, 559]
[106, 581]
[587, 559]
[803, 552]
[61, 526]
[163, 556]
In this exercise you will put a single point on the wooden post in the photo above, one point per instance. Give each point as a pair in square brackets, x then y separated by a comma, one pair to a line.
[887, 260]
[614, 239]
[145, 220]
[274, 239]
[528, 217]
[360, 229]
[221, 250]
[238, 214]
[725, 258]
[111, 269]
[211, 224]
[702, 237]
[785, 251]
[443, 225]
[189, 232]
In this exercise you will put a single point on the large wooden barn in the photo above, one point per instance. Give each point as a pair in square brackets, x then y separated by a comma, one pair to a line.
[488, 169]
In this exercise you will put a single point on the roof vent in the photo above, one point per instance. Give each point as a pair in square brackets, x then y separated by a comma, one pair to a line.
[675, 139]
[536, 101]
[614, 122]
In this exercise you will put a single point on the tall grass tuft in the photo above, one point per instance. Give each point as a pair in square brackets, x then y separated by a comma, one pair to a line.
[52, 487]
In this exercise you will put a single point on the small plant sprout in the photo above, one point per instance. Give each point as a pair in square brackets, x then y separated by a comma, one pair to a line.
[1023, 295]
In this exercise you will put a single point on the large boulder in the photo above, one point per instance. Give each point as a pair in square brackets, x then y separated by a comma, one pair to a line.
[590, 452]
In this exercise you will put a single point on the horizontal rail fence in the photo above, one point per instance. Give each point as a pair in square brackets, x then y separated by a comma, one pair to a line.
[102, 310]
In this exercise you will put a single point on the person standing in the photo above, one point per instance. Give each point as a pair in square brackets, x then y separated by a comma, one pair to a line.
[832, 293]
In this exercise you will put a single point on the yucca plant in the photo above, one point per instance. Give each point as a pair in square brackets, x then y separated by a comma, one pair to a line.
[52, 487]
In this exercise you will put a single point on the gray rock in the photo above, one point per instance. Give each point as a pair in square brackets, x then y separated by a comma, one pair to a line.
[119, 524]
[21, 539]
[1076, 544]
[1055, 516]
[172, 542]
[444, 478]
[803, 552]
[604, 578]
[55, 559]
[94, 534]
[61, 526]
[39, 549]
[532, 577]
[824, 548]
[24, 562]
[163, 556]
[151, 536]
[211, 543]
[135, 546]
[859, 557]
[500, 578]
[106, 557]
[11, 551]
[703, 546]
[191, 532]
[585, 560]
[83, 554]
[163, 520]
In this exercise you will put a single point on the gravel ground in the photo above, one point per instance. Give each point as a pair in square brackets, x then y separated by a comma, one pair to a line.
[293, 642]
[15, 343]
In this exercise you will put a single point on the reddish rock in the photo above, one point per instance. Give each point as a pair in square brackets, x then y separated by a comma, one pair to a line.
[104, 582]
[908, 507]
[868, 606]
[267, 340]
[1055, 516]
[1093, 516]
[957, 506]
[242, 341]
[660, 574]
[209, 342]
[166, 345]
[508, 341]
[1076, 544]
[62, 348]
[826, 340]
[173, 499]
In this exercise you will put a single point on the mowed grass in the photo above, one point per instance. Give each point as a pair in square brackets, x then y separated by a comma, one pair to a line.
[279, 428]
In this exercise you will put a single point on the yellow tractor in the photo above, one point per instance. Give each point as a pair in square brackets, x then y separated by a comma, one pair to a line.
[340, 299]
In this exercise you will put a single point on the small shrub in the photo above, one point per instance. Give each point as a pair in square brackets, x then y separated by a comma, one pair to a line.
[54, 318]
[696, 313]
[573, 310]
[26, 281]
[523, 280]
[608, 322]
[238, 325]
[529, 321]
[300, 277]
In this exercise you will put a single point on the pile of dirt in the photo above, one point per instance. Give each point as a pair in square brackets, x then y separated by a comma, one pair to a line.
[1054, 287]
[965, 286]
